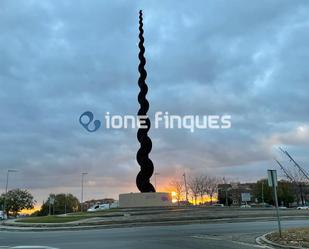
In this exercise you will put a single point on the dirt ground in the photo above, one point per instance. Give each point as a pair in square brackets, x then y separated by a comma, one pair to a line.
[292, 237]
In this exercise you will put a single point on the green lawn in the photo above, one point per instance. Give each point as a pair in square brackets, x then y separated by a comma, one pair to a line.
[62, 219]
[51, 219]
[68, 218]
[95, 214]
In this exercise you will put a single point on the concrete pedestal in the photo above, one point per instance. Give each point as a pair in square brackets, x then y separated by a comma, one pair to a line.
[158, 199]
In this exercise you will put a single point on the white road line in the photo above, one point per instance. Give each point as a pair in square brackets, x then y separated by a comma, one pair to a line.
[249, 244]
[28, 247]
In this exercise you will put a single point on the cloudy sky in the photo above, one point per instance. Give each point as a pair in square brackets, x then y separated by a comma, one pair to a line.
[61, 58]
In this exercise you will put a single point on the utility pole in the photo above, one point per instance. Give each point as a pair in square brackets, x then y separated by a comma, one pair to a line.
[82, 193]
[51, 201]
[65, 204]
[185, 182]
[263, 193]
[306, 175]
[49, 206]
[6, 189]
[292, 178]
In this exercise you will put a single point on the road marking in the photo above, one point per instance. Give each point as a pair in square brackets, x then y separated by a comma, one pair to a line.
[249, 244]
[28, 247]
[33, 247]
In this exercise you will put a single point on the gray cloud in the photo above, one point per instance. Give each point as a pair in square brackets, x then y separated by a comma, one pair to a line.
[59, 59]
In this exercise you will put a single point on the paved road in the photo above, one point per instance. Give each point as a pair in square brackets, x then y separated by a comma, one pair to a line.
[217, 235]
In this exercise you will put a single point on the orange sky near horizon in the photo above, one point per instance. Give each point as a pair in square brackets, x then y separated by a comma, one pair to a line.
[206, 199]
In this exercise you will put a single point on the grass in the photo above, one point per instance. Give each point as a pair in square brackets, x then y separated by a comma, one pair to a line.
[95, 214]
[292, 237]
[68, 218]
[50, 219]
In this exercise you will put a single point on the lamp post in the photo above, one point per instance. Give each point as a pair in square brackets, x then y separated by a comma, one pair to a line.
[185, 182]
[263, 194]
[82, 194]
[65, 204]
[227, 189]
[6, 187]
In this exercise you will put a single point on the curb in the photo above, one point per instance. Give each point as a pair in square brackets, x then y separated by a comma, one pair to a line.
[13, 228]
[262, 240]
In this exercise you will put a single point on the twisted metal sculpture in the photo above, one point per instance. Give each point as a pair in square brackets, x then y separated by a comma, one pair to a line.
[143, 177]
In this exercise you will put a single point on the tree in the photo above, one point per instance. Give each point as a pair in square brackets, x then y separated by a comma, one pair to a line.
[16, 200]
[202, 186]
[63, 203]
[212, 187]
[286, 192]
[178, 189]
[194, 187]
[262, 192]
[297, 177]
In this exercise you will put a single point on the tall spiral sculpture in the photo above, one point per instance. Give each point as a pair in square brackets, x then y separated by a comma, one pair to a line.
[143, 177]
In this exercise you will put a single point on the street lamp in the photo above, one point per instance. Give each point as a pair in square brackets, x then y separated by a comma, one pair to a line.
[6, 187]
[263, 194]
[65, 204]
[185, 182]
[82, 194]
[226, 196]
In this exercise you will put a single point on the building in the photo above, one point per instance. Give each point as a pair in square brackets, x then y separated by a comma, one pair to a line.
[289, 194]
[151, 199]
[236, 193]
[90, 203]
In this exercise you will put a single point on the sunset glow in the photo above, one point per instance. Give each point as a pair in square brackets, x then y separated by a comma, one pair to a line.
[30, 211]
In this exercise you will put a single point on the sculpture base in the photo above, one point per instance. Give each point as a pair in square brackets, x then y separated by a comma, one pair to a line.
[157, 199]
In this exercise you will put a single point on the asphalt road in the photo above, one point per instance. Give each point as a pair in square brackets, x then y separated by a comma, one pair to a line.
[239, 235]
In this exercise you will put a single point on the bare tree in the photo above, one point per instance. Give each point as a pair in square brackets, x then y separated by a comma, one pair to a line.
[212, 187]
[202, 186]
[178, 188]
[298, 179]
[194, 187]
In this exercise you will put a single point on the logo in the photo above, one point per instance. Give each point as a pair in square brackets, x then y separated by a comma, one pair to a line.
[161, 120]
